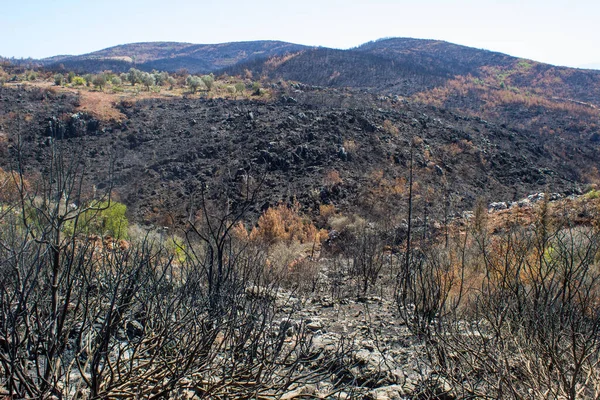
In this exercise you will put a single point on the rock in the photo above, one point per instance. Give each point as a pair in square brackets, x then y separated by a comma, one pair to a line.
[372, 365]
[437, 387]
[392, 392]
[337, 396]
[363, 356]
[555, 196]
[397, 376]
[497, 206]
[326, 343]
[302, 391]
[288, 327]
[524, 203]
[314, 325]
[468, 215]
[368, 344]
[536, 197]
[288, 100]
[410, 383]
[327, 302]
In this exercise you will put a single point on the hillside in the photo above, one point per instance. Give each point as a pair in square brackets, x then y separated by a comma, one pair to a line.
[385, 64]
[171, 56]
[356, 159]
[492, 125]
[420, 220]
[521, 94]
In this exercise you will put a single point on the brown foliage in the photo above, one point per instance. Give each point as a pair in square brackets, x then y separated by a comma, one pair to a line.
[332, 178]
[9, 186]
[390, 128]
[284, 223]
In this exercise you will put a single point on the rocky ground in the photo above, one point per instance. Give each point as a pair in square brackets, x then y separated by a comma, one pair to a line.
[164, 150]
[385, 361]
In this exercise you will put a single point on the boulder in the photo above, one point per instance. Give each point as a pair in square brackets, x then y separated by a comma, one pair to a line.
[326, 343]
[373, 366]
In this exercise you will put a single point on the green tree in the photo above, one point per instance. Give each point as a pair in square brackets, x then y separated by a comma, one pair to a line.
[58, 79]
[239, 87]
[172, 82]
[256, 88]
[231, 90]
[160, 78]
[88, 79]
[78, 81]
[147, 80]
[99, 81]
[105, 218]
[194, 82]
[208, 81]
[133, 76]
[113, 219]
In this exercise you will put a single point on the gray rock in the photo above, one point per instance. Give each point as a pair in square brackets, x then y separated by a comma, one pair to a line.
[437, 387]
[373, 365]
[468, 214]
[288, 327]
[536, 197]
[411, 382]
[392, 392]
[326, 343]
[524, 203]
[302, 391]
[497, 206]
[314, 325]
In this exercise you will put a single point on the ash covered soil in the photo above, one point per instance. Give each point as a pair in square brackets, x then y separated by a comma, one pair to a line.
[165, 149]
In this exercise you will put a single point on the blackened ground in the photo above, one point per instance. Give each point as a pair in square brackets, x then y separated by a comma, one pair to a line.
[165, 150]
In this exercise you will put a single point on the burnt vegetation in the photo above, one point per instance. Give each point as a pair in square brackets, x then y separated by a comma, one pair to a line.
[406, 219]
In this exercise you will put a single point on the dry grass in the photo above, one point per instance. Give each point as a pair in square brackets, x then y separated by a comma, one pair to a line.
[102, 104]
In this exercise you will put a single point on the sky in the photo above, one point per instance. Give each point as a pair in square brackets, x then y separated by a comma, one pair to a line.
[560, 32]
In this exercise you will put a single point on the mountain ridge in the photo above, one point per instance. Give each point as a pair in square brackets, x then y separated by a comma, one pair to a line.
[171, 56]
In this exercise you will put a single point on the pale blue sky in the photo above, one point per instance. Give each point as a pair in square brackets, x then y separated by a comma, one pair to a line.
[562, 32]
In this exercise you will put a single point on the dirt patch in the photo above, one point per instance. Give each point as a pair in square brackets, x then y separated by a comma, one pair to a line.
[100, 105]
